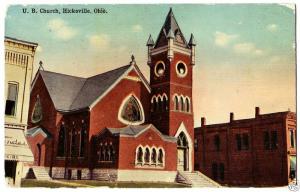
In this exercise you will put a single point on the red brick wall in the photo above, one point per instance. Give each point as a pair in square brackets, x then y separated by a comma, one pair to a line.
[105, 113]
[128, 145]
[253, 167]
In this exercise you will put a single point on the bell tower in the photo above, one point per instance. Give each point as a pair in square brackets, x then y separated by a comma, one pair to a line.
[171, 59]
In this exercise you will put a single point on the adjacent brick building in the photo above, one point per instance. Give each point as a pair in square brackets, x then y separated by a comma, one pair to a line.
[117, 125]
[260, 151]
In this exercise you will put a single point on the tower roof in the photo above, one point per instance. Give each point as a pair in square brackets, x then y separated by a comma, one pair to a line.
[170, 24]
[150, 41]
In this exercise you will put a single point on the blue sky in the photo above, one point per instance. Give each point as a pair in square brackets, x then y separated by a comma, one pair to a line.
[245, 54]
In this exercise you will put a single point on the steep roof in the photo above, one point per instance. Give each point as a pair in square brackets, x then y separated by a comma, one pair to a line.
[171, 27]
[70, 93]
[135, 130]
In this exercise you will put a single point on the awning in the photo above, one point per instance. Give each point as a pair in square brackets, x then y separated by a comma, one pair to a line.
[16, 146]
[293, 162]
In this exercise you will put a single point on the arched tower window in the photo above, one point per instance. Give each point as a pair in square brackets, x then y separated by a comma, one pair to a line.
[181, 104]
[165, 103]
[160, 106]
[176, 103]
[131, 111]
[187, 105]
[61, 142]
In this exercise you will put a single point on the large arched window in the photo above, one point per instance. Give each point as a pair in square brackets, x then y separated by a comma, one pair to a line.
[61, 142]
[83, 137]
[73, 143]
[131, 111]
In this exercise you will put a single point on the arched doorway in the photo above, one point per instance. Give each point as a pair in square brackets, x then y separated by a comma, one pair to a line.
[182, 152]
[39, 154]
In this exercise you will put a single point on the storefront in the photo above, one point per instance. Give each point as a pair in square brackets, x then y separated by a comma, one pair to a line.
[293, 167]
[17, 152]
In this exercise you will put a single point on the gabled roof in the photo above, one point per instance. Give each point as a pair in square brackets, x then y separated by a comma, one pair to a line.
[136, 130]
[36, 130]
[71, 93]
[170, 24]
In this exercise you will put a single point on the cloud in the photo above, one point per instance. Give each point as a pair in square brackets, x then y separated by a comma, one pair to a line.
[247, 48]
[99, 41]
[272, 27]
[223, 39]
[61, 29]
[137, 28]
[39, 49]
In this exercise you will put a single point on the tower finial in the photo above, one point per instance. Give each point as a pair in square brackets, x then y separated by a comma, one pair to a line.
[41, 66]
[132, 62]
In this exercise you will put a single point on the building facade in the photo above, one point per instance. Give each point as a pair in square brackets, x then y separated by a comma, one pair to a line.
[249, 152]
[19, 56]
[145, 133]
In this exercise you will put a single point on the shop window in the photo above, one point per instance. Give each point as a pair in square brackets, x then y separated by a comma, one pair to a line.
[11, 100]
[292, 139]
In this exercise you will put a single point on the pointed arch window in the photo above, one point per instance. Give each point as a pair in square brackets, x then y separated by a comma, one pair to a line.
[176, 103]
[181, 104]
[37, 111]
[160, 156]
[131, 111]
[83, 137]
[140, 155]
[147, 156]
[165, 103]
[182, 140]
[160, 106]
[73, 143]
[153, 156]
[61, 142]
[187, 105]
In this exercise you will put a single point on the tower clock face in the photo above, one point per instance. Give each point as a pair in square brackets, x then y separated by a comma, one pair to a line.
[181, 69]
[159, 69]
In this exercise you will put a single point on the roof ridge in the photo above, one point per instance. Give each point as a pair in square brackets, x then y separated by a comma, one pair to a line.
[128, 65]
[62, 74]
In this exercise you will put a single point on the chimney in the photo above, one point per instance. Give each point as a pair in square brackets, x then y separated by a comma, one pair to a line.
[257, 111]
[203, 121]
[231, 117]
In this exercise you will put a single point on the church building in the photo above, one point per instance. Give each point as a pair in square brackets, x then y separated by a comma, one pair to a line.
[117, 126]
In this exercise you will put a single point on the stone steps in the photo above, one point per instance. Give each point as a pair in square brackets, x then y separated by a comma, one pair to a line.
[41, 173]
[197, 179]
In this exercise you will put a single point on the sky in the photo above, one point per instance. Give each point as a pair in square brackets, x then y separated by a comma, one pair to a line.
[245, 54]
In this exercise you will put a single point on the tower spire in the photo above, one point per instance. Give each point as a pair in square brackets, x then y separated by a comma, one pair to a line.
[170, 24]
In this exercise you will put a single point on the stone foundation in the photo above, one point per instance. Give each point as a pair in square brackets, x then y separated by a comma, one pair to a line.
[113, 174]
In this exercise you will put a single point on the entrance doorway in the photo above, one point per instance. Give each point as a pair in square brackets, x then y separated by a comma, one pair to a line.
[182, 152]
[39, 154]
